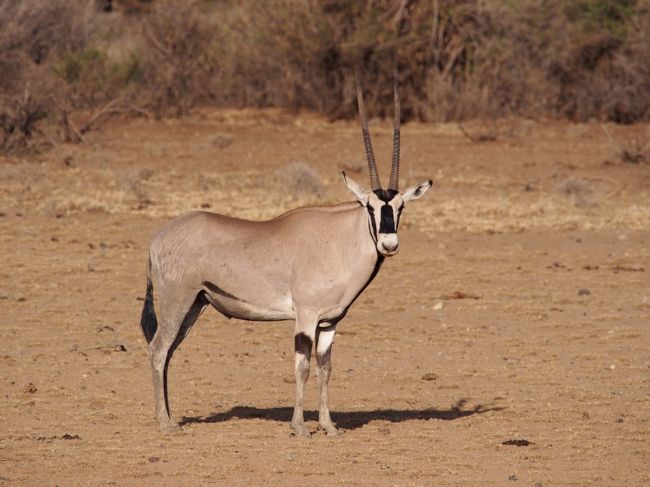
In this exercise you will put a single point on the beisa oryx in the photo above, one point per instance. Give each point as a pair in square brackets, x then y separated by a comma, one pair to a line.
[309, 264]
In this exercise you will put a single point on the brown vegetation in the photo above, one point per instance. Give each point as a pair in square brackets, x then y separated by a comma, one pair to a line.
[457, 59]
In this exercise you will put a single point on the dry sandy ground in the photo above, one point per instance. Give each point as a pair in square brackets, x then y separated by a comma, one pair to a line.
[518, 309]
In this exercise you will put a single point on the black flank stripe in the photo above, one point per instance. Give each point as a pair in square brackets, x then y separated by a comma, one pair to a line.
[217, 290]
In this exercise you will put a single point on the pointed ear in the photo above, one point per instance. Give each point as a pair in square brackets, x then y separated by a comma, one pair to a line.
[358, 192]
[416, 192]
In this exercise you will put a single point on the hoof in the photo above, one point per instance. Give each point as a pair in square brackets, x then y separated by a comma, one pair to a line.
[330, 429]
[300, 430]
[170, 428]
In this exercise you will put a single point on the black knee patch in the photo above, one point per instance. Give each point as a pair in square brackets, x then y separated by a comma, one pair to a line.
[303, 344]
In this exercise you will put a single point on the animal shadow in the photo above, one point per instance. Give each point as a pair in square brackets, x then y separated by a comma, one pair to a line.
[349, 420]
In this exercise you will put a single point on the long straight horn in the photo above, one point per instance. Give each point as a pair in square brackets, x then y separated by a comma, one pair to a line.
[370, 156]
[394, 169]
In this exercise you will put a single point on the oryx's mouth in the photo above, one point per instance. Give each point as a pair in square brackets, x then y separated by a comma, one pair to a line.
[386, 253]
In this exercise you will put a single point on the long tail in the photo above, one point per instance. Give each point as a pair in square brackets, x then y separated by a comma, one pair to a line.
[148, 322]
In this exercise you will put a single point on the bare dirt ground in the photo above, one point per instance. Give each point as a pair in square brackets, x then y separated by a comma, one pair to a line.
[507, 344]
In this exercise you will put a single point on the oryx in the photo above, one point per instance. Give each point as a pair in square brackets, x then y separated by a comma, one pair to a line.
[309, 264]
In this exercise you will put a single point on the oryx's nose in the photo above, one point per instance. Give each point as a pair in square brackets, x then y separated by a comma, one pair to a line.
[390, 245]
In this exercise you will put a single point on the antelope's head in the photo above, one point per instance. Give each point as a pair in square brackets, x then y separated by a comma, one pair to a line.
[384, 205]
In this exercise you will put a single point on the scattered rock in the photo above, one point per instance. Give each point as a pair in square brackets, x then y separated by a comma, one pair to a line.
[221, 140]
[584, 292]
[430, 376]
[628, 268]
[512, 477]
[289, 380]
[438, 306]
[30, 388]
[70, 437]
[154, 459]
[460, 295]
[517, 442]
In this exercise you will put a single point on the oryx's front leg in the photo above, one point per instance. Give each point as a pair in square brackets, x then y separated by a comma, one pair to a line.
[324, 342]
[306, 323]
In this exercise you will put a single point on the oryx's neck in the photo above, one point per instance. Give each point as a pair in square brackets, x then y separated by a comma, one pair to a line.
[335, 257]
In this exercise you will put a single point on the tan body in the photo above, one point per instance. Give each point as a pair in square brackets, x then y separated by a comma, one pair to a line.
[257, 267]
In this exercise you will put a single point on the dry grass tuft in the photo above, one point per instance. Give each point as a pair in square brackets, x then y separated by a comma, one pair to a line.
[299, 178]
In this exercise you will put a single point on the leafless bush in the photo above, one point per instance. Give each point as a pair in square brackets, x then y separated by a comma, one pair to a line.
[457, 59]
[19, 117]
[300, 178]
[33, 35]
[634, 151]
[179, 68]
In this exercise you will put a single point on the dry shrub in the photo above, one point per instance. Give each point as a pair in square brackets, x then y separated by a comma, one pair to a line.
[456, 59]
[299, 178]
[179, 68]
[33, 35]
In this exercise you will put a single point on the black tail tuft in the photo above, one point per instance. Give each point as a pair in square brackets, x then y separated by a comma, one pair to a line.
[148, 322]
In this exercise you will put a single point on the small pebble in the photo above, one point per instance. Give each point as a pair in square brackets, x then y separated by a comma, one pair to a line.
[584, 292]
[438, 306]
[512, 477]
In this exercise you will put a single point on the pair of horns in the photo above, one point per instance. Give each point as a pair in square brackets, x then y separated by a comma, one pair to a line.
[370, 156]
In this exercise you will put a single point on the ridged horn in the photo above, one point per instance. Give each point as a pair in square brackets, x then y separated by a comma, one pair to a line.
[370, 156]
[394, 169]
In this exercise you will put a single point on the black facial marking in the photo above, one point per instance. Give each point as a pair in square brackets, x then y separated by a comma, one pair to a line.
[371, 211]
[387, 224]
[399, 214]
[385, 194]
[303, 344]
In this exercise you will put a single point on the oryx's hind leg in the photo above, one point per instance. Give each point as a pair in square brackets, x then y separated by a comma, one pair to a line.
[324, 342]
[305, 333]
[175, 322]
